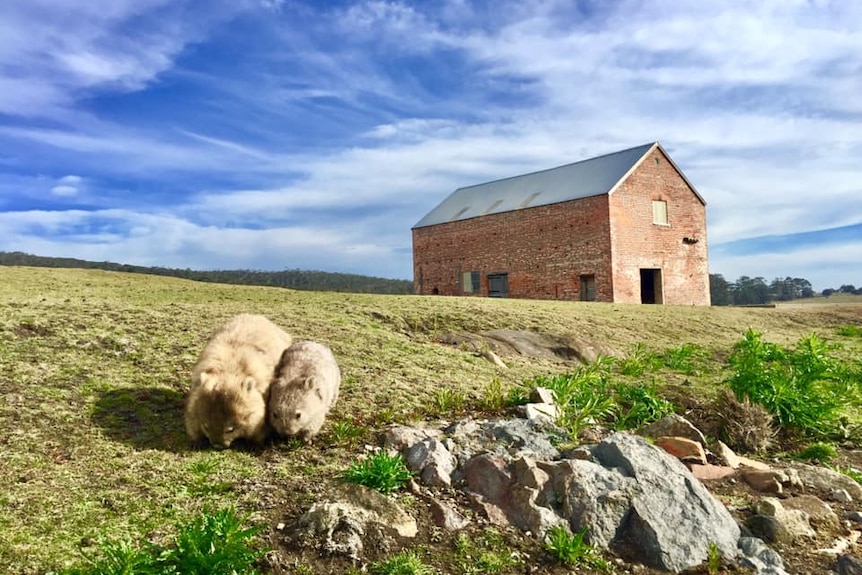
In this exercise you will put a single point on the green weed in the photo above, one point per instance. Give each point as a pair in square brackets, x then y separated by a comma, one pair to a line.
[639, 362]
[638, 405]
[487, 552]
[849, 471]
[687, 358]
[571, 549]
[382, 472]
[850, 330]
[820, 452]
[213, 543]
[493, 397]
[713, 559]
[584, 396]
[342, 432]
[404, 563]
[448, 401]
[804, 387]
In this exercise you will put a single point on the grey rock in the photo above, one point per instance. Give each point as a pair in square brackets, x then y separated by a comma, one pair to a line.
[446, 516]
[542, 395]
[546, 412]
[847, 564]
[840, 496]
[855, 516]
[769, 529]
[509, 438]
[402, 437]
[668, 500]
[592, 496]
[342, 527]
[794, 521]
[432, 461]
[754, 547]
[824, 479]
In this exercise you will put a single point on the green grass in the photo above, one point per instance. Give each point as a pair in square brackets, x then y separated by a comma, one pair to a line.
[404, 563]
[484, 553]
[382, 472]
[94, 368]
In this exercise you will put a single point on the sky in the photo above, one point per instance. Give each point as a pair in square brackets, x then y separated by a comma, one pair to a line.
[312, 134]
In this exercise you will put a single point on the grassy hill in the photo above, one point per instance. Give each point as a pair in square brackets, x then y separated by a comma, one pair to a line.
[94, 366]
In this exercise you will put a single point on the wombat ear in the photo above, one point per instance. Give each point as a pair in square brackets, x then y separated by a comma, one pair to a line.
[283, 360]
[308, 383]
[209, 378]
[319, 393]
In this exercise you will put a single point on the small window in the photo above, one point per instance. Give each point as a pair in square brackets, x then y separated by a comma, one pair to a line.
[470, 282]
[659, 212]
[588, 288]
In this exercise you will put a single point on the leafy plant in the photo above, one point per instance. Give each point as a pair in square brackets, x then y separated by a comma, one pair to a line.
[584, 396]
[119, 558]
[494, 397]
[638, 362]
[713, 559]
[448, 401]
[804, 388]
[484, 553]
[850, 330]
[213, 543]
[822, 452]
[638, 405]
[571, 549]
[404, 563]
[344, 431]
[849, 471]
[382, 472]
[687, 358]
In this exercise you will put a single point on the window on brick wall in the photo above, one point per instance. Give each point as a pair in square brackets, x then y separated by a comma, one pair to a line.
[470, 282]
[588, 287]
[659, 212]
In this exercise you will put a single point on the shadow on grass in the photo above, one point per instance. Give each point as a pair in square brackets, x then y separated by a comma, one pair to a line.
[148, 418]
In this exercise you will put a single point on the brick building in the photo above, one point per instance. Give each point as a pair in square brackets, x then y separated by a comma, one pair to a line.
[624, 227]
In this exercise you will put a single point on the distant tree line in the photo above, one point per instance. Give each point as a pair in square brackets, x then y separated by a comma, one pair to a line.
[755, 291]
[294, 279]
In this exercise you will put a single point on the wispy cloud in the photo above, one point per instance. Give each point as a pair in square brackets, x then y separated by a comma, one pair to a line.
[274, 133]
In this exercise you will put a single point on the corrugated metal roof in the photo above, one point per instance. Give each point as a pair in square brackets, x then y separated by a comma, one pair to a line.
[592, 177]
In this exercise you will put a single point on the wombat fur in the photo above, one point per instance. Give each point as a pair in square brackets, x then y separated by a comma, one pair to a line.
[304, 389]
[231, 380]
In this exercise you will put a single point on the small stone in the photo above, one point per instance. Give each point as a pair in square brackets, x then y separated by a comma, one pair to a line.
[541, 411]
[279, 527]
[683, 449]
[855, 516]
[542, 395]
[769, 529]
[765, 481]
[849, 565]
[840, 495]
[752, 463]
[726, 455]
[711, 472]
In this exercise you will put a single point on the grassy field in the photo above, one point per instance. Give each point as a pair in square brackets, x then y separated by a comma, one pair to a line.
[94, 367]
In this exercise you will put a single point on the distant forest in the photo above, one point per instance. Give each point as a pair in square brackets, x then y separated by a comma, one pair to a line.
[294, 279]
[755, 291]
[744, 291]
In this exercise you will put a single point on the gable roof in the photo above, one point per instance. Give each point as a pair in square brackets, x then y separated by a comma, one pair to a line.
[591, 177]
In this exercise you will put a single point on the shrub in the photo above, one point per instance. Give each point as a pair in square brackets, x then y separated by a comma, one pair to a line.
[745, 426]
[687, 358]
[382, 472]
[486, 552]
[804, 388]
[638, 362]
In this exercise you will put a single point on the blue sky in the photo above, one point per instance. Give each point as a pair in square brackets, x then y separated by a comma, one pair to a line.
[274, 134]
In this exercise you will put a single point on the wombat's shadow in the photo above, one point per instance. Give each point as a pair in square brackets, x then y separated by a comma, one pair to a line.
[146, 418]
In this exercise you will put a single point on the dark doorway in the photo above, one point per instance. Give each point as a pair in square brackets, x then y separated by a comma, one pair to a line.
[498, 285]
[651, 286]
[588, 287]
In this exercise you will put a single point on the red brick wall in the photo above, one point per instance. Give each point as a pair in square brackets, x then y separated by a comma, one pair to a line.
[543, 249]
[639, 243]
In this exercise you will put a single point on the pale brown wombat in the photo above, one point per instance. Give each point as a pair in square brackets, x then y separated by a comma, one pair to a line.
[304, 389]
[231, 380]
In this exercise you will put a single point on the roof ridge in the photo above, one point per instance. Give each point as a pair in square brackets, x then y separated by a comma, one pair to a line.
[590, 159]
